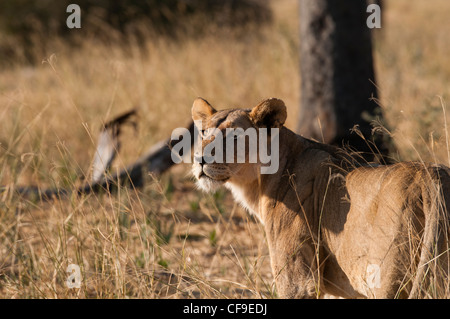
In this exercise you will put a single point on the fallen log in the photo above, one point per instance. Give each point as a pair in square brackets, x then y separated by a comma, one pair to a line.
[156, 161]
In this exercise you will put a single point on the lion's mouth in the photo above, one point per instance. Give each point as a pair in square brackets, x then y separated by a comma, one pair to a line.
[204, 175]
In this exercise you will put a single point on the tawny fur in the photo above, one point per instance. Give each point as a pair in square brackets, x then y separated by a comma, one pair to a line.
[328, 218]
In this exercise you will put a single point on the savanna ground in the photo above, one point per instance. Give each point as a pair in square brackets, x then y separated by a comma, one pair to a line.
[168, 239]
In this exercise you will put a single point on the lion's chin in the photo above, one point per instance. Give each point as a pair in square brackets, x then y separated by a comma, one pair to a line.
[208, 184]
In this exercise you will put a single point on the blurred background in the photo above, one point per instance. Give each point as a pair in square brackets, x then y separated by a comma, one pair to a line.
[58, 85]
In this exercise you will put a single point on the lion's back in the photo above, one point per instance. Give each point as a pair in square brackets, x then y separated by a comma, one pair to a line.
[387, 219]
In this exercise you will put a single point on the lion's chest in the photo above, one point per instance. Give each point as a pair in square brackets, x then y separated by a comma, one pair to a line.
[247, 198]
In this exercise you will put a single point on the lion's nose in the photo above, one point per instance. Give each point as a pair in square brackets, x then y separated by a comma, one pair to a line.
[202, 160]
[199, 159]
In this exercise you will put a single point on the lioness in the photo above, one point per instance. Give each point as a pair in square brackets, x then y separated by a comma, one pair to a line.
[334, 226]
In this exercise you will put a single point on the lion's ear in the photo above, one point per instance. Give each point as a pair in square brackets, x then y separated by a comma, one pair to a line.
[269, 113]
[201, 110]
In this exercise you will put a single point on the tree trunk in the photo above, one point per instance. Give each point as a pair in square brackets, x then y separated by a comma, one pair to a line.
[337, 74]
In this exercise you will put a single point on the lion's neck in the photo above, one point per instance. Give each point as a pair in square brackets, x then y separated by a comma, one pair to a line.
[247, 196]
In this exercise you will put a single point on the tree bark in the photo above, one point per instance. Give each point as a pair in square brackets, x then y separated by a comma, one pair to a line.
[337, 75]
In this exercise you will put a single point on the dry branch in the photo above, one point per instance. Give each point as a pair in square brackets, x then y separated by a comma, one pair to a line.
[156, 161]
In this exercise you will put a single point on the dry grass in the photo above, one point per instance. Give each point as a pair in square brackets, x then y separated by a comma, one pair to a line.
[413, 75]
[169, 240]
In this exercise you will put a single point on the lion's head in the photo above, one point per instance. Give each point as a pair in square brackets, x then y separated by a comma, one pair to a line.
[232, 159]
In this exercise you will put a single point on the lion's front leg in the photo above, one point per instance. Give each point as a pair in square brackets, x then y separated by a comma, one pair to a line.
[295, 268]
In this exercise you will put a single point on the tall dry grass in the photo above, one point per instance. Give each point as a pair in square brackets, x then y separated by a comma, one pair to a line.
[168, 240]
